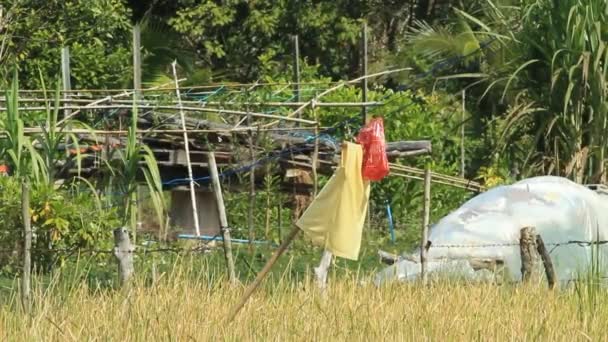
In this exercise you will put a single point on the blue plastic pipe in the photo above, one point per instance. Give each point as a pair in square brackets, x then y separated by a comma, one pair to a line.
[391, 226]
[217, 238]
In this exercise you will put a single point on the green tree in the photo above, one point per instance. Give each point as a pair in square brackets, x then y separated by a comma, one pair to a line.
[97, 32]
[542, 85]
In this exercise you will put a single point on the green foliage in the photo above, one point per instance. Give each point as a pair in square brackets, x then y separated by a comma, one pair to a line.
[97, 32]
[245, 38]
[61, 219]
[16, 149]
[124, 167]
[542, 85]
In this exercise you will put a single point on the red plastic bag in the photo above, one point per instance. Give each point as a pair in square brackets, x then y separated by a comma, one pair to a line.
[375, 162]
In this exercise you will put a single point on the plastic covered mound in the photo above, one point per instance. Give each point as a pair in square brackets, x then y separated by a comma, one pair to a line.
[488, 227]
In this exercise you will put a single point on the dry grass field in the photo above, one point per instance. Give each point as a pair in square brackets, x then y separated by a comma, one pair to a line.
[178, 308]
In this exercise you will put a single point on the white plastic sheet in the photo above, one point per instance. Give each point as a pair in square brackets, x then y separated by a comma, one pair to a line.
[488, 227]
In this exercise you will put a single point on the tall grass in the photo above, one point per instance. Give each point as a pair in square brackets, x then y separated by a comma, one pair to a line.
[191, 303]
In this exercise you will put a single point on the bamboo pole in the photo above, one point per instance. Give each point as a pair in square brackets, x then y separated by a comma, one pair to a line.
[250, 216]
[187, 150]
[217, 190]
[425, 222]
[172, 89]
[315, 156]
[27, 248]
[137, 62]
[258, 280]
[65, 77]
[364, 67]
[455, 185]
[66, 83]
[280, 218]
[206, 103]
[183, 108]
[462, 135]
[267, 178]
[36, 130]
[296, 68]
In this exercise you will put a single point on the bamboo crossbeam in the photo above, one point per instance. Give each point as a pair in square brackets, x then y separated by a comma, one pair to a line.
[36, 130]
[456, 185]
[207, 103]
[454, 179]
[189, 109]
[167, 87]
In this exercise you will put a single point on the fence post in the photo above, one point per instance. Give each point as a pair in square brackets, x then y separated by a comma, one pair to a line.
[527, 248]
[27, 248]
[547, 263]
[123, 251]
[425, 221]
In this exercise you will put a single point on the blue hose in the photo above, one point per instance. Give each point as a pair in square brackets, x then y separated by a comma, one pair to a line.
[391, 226]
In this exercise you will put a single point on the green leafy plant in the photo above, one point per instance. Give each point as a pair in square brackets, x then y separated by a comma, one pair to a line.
[125, 165]
[16, 148]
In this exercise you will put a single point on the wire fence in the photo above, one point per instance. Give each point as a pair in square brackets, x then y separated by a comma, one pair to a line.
[514, 244]
[204, 246]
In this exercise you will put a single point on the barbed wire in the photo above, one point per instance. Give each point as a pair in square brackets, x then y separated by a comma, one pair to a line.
[514, 244]
[204, 247]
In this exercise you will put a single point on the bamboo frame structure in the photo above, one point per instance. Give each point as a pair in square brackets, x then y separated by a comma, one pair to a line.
[336, 87]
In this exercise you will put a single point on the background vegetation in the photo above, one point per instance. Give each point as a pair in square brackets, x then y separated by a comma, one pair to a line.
[534, 74]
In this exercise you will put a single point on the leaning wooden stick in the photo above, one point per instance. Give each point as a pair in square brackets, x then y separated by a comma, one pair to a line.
[187, 150]
[258, 280]
[547, 263]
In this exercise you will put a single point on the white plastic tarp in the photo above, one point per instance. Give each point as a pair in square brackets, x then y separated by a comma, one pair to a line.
[488, 227]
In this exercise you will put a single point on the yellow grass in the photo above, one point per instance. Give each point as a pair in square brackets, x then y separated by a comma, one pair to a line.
[177, 309]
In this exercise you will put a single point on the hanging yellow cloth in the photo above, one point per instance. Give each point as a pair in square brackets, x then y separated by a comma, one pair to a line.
[336, 217]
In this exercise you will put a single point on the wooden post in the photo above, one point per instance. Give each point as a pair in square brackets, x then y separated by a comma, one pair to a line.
[364, 67]
[187, 150]
[267, 178]
[250, 216]
[296, 70]
[280, 219]
[65, 77]
[137, 62]
[425, 222]
[315, 156]
[123, 251]
[527, 242]
[258, 279]
[462, 136]
[27, 248]
[547, 263]
[217, 190]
